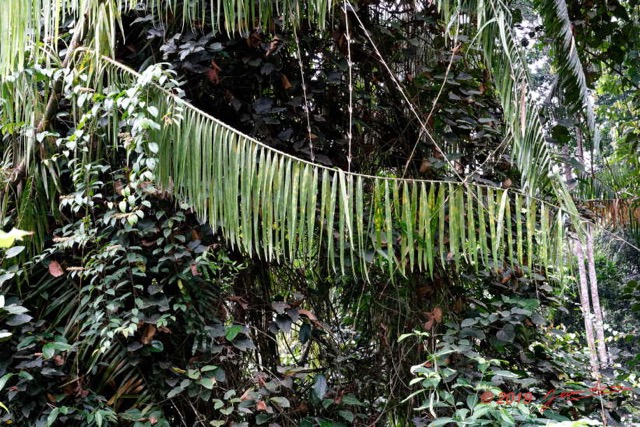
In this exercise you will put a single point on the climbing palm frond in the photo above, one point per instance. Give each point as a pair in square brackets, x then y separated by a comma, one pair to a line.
[277, 207]
[571, 76]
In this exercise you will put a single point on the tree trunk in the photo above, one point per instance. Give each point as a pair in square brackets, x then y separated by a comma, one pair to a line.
[583, 290]
[598, 357]
[595, 302]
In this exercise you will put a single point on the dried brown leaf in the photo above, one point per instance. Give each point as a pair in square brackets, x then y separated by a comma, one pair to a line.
[55, 269]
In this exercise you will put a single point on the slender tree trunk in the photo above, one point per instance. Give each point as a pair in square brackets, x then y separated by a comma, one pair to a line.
[583, 290]
[595, 301]
[567, 169]
[579, 144]
[593, 280]
[598, 356]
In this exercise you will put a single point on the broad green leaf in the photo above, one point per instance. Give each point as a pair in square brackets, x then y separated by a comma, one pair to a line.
[207, 382]
[282, 402]
[441, 422]
[53, 416]
[233, 331]
[349, 399]
[13, 251]
[4, 379]
[347, 415]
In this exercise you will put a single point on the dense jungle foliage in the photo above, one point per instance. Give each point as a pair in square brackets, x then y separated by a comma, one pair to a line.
[366, 213]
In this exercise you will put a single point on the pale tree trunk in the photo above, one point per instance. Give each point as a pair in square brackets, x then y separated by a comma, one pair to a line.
[593, 280]
[583, 290]
[595, 301]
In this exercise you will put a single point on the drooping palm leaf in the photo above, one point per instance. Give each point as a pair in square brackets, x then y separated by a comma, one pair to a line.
[502, 55]
[571, 76]
[277, 207]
